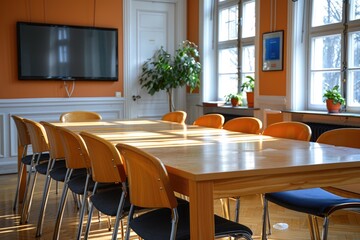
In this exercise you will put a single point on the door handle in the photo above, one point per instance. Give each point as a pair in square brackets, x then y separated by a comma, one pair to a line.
[136, 97]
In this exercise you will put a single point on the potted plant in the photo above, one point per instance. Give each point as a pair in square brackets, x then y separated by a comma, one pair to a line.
[249, 87]
[234, 99]
[333, 99]
[164, 72]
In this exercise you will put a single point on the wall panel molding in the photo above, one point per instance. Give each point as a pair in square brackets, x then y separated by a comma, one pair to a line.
[46, 109]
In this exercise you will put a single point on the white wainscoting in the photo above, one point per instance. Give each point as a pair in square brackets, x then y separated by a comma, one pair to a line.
[46, 109]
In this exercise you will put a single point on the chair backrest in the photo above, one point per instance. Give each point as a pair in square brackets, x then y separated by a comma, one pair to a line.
[79, 116]
[106, 163]
[23, 135]
[176, 116]
[244, 124]
[346, 137]
[38, 137]
[76, 154]
[289, 129]
[148, 179]
[55, 143]
[212, 120]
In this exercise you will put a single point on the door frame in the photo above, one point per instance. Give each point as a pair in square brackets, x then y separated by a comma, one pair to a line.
[180, 35]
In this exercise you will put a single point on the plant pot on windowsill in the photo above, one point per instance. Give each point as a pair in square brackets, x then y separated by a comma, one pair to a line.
[234, 99]
[333, 99]
[250, 86]
[250, 99]
[332, 107]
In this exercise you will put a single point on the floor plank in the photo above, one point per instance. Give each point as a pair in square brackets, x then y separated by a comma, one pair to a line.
[343, 225]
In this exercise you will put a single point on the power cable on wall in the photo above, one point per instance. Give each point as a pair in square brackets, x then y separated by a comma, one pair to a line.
[69, 93]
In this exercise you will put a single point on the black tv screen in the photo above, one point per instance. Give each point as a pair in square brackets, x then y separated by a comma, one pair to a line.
[63, 52]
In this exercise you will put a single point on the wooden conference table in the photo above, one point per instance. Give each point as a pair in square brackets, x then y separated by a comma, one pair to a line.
[206, 163]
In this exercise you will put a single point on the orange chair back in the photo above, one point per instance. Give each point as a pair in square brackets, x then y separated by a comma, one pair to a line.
[76, 153]
[23, 135]
[346, 137]
[176, 116]
[106, 163]
[55, 144]
[38, 137]
[244, 124]
[79, 116]
[290, 130]
[148, 179]
[213, 120]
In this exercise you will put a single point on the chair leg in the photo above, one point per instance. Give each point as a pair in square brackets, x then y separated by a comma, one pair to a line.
[88, 224]
[91, 209]
[19, 178]
[44, 198]
[237, 209]
[43, 205]
[316, 227]
[61, 209]
[265, 218]
[311, 227]
[119, 213]
[325, 228]
[130, 217]
[83, 207]
[174, 223]
[18, 186]
[28, 184]
[225, 207]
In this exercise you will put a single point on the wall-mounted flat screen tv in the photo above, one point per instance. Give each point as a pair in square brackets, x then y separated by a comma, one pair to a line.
[63, 52]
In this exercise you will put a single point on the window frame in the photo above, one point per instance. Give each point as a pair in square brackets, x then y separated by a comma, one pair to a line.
[234, 43]
[343, 29]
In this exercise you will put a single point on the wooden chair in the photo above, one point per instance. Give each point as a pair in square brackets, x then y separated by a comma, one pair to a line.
[213, 120]
[250, 125]
[150, 187]
[40, 146]
[57, 170]
[106, 167]
[289, 129]
[78, 164]
[79, 116]
[24, 142]
[176, 116]
[317, 202]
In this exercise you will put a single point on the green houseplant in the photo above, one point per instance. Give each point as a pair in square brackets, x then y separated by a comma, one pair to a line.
[164, 72]
[333, 99]
[249, 87]
[234, 99]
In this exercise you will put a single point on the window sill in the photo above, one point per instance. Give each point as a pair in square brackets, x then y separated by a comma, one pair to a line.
[324, 113]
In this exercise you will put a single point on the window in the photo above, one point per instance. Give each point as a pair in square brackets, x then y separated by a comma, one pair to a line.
[334, 51]
[236, 44]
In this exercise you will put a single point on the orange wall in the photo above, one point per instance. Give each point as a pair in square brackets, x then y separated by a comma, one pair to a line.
[274, 82]
[193, 27]
[108, 13]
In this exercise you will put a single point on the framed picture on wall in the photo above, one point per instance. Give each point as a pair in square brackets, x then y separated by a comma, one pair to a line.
[273, 51]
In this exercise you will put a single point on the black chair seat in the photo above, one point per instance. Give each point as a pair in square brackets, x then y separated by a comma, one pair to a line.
[43, 166]
[314, 201]
[59, 174]
[77, 184]
[27, 159]
[156, 225]
[107, 201]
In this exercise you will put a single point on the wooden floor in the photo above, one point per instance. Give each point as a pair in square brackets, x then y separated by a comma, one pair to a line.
[342, 225]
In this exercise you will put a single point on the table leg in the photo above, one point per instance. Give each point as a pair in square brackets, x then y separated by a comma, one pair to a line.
[201, 210]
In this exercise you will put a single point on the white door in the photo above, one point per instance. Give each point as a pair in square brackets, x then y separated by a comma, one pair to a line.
[152, 24]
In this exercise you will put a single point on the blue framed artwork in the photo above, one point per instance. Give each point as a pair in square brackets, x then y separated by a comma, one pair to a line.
[273, 51]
